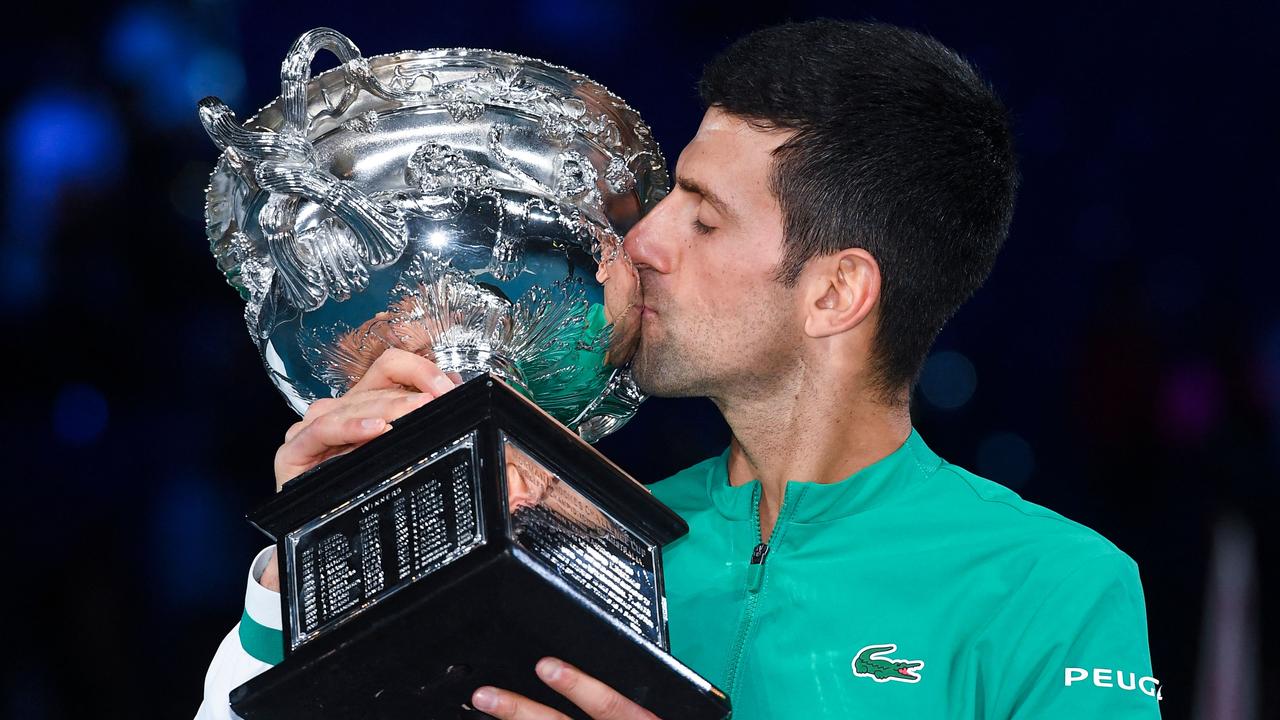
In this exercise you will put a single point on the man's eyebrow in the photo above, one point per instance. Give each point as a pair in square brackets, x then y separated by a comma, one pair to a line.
[691, 185]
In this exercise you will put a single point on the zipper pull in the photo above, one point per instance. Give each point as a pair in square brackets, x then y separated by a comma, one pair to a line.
[755, 571]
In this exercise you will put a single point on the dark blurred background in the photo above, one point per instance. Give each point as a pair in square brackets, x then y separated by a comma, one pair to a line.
[1122, 366]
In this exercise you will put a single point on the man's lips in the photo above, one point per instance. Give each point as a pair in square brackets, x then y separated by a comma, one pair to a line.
[646, 311]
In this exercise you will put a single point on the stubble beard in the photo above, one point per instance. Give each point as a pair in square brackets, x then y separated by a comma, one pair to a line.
[669, 367]
[682, 357]
[659, 370]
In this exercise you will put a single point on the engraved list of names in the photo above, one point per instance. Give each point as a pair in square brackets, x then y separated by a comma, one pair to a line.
[412, 525]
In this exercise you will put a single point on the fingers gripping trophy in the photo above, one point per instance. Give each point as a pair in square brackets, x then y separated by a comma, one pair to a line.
[466, 206]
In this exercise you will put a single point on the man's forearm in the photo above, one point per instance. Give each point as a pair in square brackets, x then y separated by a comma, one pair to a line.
[271, 574]
[252, 646]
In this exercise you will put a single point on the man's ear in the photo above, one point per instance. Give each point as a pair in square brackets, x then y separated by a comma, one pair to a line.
[840, 291]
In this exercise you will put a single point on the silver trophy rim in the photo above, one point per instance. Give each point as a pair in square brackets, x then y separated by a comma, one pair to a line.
[406, 55]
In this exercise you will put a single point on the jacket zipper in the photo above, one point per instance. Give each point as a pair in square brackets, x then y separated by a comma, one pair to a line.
[755, 581]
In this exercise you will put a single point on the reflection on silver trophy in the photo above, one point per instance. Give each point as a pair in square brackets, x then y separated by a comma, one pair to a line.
[465, 205]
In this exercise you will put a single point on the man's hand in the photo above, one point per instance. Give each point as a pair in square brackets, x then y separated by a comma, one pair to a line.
[596, 699]
[397, 383]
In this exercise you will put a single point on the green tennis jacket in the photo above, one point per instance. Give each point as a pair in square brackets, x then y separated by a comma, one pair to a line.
[912, 589]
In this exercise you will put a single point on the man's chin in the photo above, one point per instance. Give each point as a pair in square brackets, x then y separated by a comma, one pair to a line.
[642, 372]
[656, 380]
[646, 387]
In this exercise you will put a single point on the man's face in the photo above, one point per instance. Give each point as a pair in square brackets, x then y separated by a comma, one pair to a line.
[715, 321]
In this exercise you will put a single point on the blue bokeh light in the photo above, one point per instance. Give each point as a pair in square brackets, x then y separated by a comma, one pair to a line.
[79, 414]
[140, 39]
[170, 64]
[53, 138]
[1006, 458]
[948, 380]
[21, 272]
[214, 71]
[188, 511]
[59, 135]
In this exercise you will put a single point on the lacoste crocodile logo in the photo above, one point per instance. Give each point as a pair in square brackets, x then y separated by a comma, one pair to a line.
[884, 669]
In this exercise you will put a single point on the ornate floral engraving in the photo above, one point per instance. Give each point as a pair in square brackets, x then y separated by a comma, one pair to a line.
[363, 123]
[406, 77]
[619, 176]
[575, 175]
[434, 168]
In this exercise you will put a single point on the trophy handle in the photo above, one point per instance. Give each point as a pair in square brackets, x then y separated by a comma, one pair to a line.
[380, 227]
[284, 164]
[295, 73]
[227, 133]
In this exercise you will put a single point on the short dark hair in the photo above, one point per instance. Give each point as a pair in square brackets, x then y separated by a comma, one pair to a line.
[900, 148]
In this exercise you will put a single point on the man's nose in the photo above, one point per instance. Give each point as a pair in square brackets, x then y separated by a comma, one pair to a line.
[648, 243]
[519, 494]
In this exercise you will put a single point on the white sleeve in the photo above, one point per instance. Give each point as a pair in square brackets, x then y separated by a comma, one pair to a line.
[252, 646]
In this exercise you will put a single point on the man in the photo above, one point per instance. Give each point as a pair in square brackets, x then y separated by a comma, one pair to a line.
[848, 189]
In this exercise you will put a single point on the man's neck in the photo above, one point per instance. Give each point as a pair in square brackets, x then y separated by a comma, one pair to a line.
[809, 429]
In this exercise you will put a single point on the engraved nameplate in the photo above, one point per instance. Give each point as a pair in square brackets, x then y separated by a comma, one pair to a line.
[400, 530]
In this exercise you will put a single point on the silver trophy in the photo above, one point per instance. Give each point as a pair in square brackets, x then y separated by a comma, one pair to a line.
[467, 206]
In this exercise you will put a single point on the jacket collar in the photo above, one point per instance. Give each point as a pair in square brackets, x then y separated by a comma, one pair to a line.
[874, 485]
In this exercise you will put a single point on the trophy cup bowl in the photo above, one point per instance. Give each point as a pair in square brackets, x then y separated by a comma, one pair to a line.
[467, 206]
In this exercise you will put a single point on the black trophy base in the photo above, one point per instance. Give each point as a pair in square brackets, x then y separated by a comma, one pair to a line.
[422, 566]
[489, 628]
